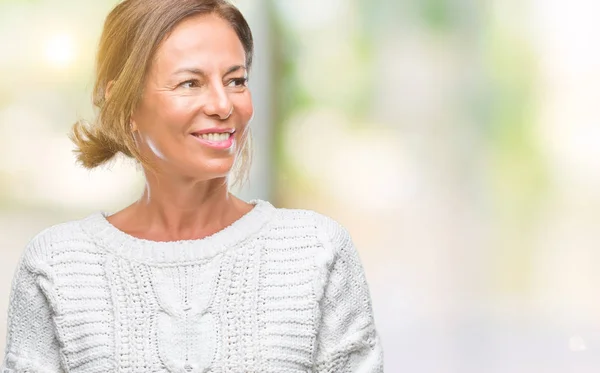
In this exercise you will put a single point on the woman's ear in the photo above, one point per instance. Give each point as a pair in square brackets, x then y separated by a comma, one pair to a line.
[132, 124]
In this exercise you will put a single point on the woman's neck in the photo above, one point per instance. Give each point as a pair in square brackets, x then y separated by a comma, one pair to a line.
[169, 213]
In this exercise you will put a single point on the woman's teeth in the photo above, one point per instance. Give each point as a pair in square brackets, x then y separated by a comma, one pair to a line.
[215, 136]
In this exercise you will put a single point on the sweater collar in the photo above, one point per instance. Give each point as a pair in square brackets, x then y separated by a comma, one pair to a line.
[170, 252]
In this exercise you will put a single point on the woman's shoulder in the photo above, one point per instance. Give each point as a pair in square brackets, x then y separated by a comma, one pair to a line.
[329, 229]
[49, 240]
[313, 229]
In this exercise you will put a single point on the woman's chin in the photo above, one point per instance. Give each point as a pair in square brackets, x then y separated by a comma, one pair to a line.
[213, 169]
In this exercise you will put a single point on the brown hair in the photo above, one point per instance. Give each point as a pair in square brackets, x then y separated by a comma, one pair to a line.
[132, 33]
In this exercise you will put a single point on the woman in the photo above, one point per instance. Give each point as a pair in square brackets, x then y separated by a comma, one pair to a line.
[188, 278]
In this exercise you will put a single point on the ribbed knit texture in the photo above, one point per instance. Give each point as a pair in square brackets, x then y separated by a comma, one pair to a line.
[278, 291]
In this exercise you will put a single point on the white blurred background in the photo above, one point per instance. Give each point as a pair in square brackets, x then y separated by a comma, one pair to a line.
[458, 141]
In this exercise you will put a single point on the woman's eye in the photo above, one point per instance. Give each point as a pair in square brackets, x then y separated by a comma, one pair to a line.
[239, 82]
[189, 84]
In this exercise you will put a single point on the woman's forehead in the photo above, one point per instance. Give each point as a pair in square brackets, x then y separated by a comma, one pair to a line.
[203, 39]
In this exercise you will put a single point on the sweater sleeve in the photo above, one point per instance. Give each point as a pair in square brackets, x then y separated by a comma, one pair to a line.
[31, 344]
[347, 340]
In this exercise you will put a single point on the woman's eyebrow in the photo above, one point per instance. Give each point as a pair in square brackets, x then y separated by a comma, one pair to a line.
[234, 69]
[192, 70]
[197, 71]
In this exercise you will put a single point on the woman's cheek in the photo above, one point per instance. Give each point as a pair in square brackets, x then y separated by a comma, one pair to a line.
[246, 107]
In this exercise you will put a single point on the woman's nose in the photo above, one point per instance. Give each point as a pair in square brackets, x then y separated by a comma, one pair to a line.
[218, 103]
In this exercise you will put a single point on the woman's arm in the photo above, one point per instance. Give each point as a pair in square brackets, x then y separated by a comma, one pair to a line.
[348, 340]
[31, 344]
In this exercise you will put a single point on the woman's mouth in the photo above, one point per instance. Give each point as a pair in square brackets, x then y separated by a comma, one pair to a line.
[216, 140]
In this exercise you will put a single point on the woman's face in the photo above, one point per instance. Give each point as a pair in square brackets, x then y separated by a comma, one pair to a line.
[196, 105]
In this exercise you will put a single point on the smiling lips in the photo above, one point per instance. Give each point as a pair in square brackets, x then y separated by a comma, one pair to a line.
[215, 138]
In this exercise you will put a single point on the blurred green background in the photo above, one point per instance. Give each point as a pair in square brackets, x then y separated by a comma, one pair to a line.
[458, 141]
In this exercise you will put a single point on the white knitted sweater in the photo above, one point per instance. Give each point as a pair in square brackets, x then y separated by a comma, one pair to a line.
[279, 290]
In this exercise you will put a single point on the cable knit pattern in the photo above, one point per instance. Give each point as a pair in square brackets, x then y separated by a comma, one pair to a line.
[278, 291]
